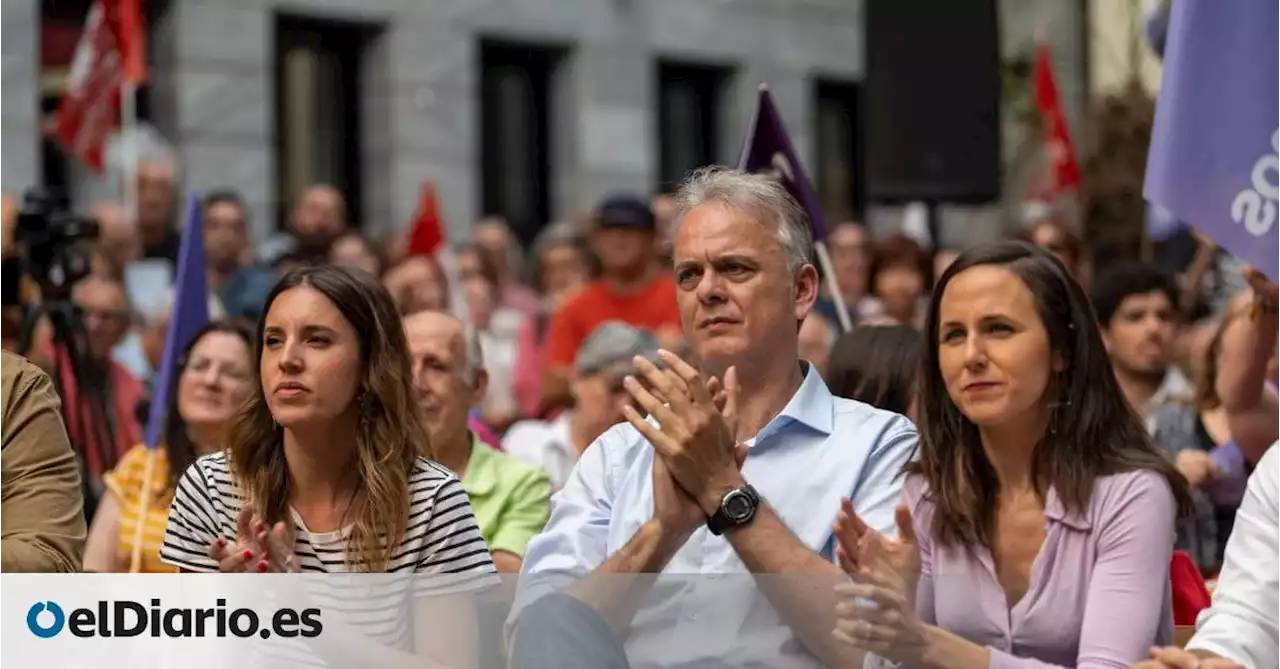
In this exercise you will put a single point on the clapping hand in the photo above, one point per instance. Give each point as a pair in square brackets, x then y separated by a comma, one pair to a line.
[255, 549]
[856, 540]
[1177, 658]
[877, 612]
[695, 435]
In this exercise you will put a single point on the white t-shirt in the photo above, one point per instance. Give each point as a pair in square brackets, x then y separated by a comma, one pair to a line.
[442, 552]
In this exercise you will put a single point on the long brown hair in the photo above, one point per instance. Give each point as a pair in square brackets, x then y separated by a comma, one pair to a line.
[1093, 432]
[391, 433]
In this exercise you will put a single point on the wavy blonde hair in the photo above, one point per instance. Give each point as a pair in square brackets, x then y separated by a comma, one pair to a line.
[391, 431]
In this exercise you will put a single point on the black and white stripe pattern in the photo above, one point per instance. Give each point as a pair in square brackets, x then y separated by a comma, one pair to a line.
[441, 536]
[442, 553]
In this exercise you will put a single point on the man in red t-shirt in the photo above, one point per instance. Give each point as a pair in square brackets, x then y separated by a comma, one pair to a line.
[631, 289]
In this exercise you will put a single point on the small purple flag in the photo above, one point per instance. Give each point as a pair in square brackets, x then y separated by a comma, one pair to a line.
[1213, 160]
[768, 149]
[190, 312]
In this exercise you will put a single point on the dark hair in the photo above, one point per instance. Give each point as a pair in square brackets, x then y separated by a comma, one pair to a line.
[391, 433]
[878, 365]
[899, 250]
[224, 196]
[178, 447]
[1126, 279]
[1100, 434]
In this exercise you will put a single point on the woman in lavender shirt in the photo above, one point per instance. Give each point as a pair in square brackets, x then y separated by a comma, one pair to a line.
[1038, 523]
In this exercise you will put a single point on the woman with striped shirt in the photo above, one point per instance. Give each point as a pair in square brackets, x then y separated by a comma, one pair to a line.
[326, 468]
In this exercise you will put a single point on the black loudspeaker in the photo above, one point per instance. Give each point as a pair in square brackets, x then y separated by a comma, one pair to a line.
[932, 101]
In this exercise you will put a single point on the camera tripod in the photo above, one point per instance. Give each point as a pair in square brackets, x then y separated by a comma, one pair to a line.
[90, 412]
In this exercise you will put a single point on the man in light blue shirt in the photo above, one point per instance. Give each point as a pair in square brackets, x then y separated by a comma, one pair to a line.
[736, 473]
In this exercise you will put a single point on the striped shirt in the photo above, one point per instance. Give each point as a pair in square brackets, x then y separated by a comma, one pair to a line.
[441, 554]
[441, 536]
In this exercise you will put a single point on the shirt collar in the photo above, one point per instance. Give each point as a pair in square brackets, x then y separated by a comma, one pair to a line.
[812, 406]
[476, 480]
[1056, 511]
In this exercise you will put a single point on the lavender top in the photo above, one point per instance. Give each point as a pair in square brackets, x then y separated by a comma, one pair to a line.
[1099, 595]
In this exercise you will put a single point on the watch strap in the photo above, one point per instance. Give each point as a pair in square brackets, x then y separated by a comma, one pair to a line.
[721, 521]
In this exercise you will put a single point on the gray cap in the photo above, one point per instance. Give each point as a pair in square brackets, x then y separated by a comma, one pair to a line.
[614, 343]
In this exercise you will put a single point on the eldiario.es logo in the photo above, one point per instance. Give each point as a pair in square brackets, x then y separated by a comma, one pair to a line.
[124, 618]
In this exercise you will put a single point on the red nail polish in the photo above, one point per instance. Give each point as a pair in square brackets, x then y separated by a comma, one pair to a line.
[248, 555]
[220, 542]
[262, 566]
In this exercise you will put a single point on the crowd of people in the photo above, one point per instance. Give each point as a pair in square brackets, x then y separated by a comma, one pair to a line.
[995, 467]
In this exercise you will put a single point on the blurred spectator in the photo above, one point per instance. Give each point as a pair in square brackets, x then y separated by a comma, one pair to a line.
[562, 268]
[226, 236]
[1055, 237]
[43, 507]
[118, 242]
[493, 238]
[847, 246]
[157, 179]
[942, 259]
[1196, 434]
[101, 414]
[631, 289]
[817, 336]
[417, 284]
[318, 217]
[510, 499]
[663, 206]
[900, 277]
[878, 365]
[497, 327]
[355, 250]
[234, 279]
[215, 377]
[603, 361]
[1136, 308]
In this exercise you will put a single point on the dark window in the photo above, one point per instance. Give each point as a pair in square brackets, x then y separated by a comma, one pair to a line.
[317, 91]
[838, 175]
[515, 133]
[689, 110]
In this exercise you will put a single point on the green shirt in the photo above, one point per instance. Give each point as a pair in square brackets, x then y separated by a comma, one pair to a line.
[510, 499]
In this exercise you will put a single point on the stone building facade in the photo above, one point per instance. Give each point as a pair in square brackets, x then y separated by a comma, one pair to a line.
[425, 96]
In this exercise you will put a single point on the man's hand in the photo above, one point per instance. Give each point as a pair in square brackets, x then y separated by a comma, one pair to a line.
[1195, 466]
[1176, 658]
[695, 438]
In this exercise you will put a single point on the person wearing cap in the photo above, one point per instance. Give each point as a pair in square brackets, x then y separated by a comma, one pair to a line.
[602, 363]
[631, 289]
[510, 499]
[737, 474]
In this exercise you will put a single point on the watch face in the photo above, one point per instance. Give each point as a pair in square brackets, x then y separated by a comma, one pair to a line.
[737, 506]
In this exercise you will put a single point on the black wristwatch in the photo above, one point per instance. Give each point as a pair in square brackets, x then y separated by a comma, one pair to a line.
[736, 509]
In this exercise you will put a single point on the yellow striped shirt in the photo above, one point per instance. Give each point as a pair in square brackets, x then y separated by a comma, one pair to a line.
[126, 481]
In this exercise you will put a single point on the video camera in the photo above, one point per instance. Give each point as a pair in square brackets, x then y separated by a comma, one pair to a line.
[50, 238]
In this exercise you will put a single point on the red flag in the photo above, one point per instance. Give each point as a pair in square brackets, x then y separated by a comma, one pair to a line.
[110, 54]
[426, 233]
[1064, 171]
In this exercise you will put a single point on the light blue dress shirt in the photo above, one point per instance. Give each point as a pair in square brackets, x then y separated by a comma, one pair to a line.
[705, 610]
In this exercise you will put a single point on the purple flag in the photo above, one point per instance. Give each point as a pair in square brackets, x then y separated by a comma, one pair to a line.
[190, 312]
[1213, 160]
[768, 149]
